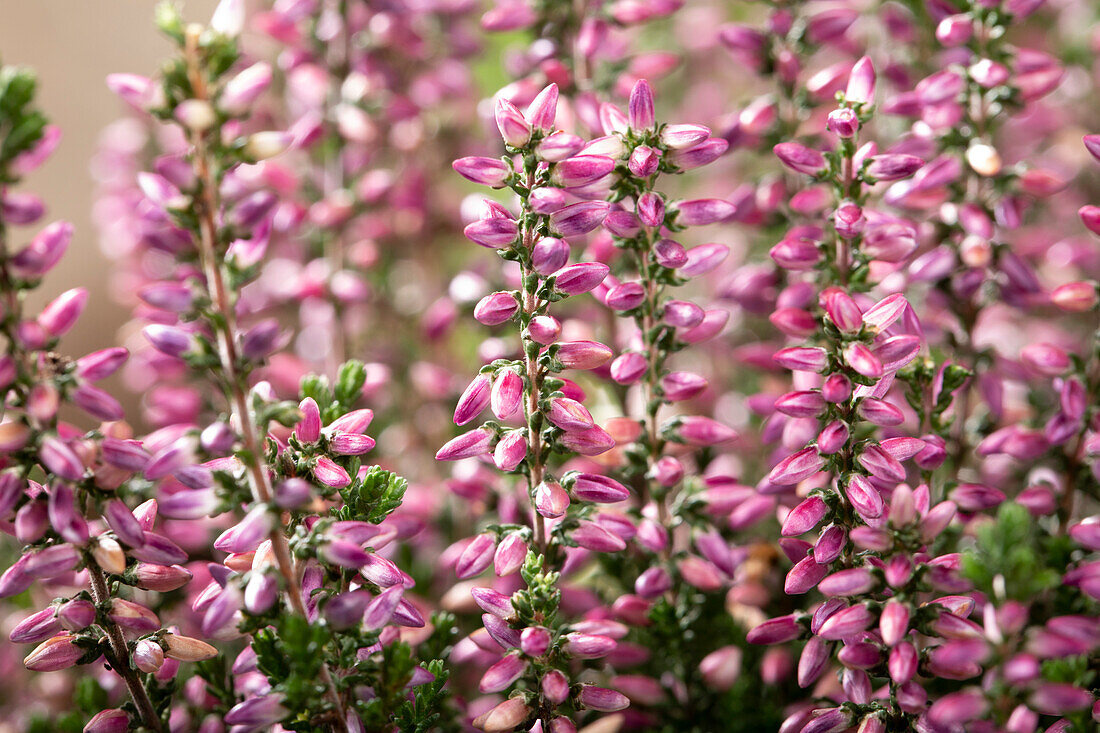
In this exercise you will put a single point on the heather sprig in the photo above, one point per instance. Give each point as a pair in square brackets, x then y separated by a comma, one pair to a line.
[65, 489]
[310, 509]
[545, 168]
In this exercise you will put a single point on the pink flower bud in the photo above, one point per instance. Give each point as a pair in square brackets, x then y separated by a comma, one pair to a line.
[580, 277]
[509, 556]
[501, 675]
[494, 233]
[582, 354]
[807, 403]
[514, 128]
[625, 296]
[148, 656]
[843, 123]
[510, 450]
[579, 218]
[473, 400]
[544, 330]
[804, 517]
[468, 445]
[641, 107]
[861, 83]
[555, 687]
[699, 212]
[543, 109]
[592, 536]
[486, 171]
[551, 500]
[506, 394]
[602, 699]
[477, 556]
[600, 489]
[549, 255]
[850, 582]
[796, 467]
[58, 652]
[800, 158]
[846, 623]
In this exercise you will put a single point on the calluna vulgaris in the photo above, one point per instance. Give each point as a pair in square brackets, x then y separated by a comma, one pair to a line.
[777, 409]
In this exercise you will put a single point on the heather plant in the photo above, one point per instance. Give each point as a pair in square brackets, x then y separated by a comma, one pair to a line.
[776, 415]
[73, 496]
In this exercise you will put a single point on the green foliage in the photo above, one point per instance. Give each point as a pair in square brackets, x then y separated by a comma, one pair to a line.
[21, 125]
[374, 497]
[1013, 551]
[290, 655]
[336, 401]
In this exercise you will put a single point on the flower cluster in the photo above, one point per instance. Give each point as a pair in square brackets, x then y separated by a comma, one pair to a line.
[778, 415]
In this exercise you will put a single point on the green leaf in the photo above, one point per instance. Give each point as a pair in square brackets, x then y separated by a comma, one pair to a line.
[350, 382]
[374, 497]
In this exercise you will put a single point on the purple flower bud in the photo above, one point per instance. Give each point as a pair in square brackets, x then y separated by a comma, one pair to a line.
[64, 517]
[486, 171]
[843, 122]
[493, 602]
[148, 656]
[850, 582]
[592, 536]
[796, 467]
[957, 708]
[800, 158]
[37, 627]
[893, 167]
[653, 583]
[473, 400]
[880, 412]
[804, 517]
[861, 83]
[580, 277]
[514, 128]
[257, 712]
[510, 450]
[61, 313]
[587, 646]
[600, 489]
[625, 296]
[805, 574]
[168, 340]
[805, 359]
[509, 556]
[847, 623]
[535, 641]
[582, 354]
[579, 218]
[381, 609]
[602, 699]
[811, 663]
[468, 445]
[549, 255]
[544, 330]
[836, 389]
[551, 500]
[807, 403]
[559, 146]
[643, 163]
[543, 109]
[132, 615]
[56, 653]
[477, 556]
[494, 233]
[775, 631]
[501, 675]
[555, 687]
[680, 137]
[698, 212]
[506, 394]
[581, 170]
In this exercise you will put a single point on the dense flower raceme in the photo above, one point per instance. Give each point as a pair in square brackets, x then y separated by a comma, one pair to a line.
[72, 496]
[309, 514]
[881, 280]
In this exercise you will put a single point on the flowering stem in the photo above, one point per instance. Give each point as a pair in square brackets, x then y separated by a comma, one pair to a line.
[226, 327]
[119, 657]
[534, 375]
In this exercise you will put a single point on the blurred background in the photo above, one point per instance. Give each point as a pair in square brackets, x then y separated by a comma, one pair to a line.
[73, 46]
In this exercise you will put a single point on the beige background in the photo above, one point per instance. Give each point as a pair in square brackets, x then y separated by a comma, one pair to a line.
[73, 45]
